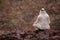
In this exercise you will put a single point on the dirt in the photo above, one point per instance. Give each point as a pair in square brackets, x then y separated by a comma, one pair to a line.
[31, 35]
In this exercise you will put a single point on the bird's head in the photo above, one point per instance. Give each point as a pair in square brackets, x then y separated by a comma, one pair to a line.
[42, 9]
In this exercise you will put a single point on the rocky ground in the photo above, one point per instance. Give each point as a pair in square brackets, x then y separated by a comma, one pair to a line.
[31, 35]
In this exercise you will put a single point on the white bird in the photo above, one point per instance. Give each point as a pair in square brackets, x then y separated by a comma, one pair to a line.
[43, 20]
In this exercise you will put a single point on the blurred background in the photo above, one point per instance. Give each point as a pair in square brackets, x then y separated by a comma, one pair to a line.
[21, 14]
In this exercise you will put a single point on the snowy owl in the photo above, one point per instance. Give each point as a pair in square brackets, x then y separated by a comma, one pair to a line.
[43, 20]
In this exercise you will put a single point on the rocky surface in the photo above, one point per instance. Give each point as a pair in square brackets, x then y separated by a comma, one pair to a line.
[30, 35]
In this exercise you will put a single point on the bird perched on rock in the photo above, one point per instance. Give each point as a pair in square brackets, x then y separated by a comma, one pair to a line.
[42, 21]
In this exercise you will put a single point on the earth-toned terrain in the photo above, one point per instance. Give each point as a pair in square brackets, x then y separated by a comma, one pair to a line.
[31, 35]
[19, 15]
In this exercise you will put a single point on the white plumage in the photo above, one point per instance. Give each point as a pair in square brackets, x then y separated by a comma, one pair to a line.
[43, 20]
